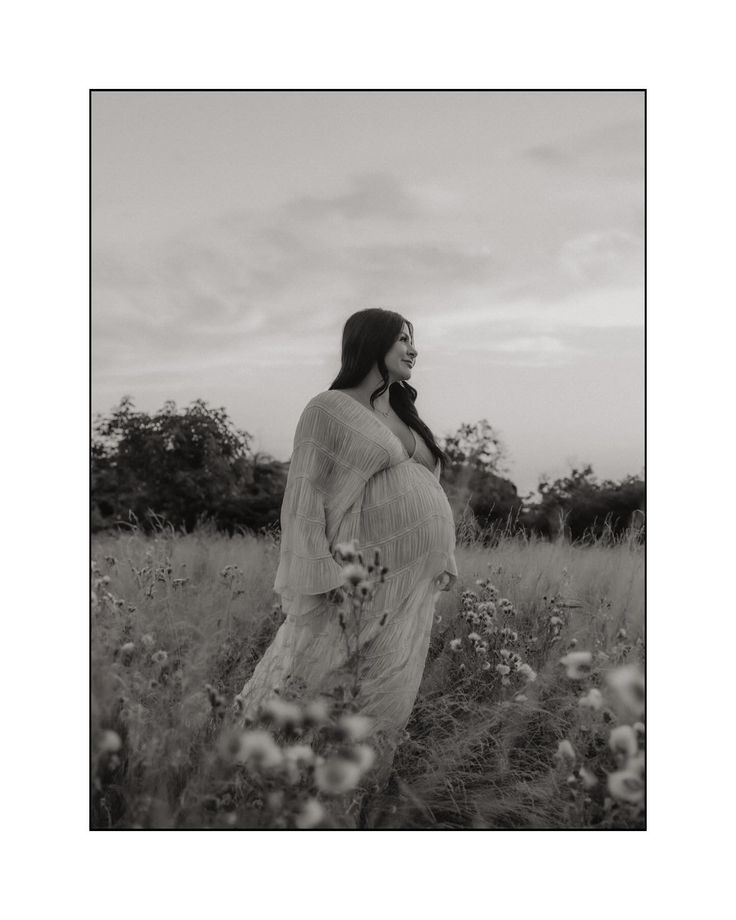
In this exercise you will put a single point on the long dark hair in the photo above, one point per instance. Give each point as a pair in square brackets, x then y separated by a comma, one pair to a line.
[366, 338]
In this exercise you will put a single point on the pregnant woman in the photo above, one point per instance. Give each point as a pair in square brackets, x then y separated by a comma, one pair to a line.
[364, 468]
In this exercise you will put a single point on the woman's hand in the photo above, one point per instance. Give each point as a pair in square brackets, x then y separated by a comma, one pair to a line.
[336, 596]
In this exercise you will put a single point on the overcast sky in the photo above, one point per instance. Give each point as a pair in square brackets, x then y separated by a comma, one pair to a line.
[234, 233]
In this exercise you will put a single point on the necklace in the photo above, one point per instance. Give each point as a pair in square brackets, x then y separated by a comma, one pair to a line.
[385, 414]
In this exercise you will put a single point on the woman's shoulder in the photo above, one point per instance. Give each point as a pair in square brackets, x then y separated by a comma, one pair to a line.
[335, 401]
[324, 396]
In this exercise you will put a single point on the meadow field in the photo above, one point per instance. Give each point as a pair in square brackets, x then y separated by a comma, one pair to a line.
[529, 716]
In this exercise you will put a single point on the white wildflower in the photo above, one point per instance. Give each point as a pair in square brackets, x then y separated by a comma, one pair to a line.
[364, 756]
[627, 786]
[577, 664]
[354, 573]
[283, 713]
[527, 671]
[593, 699]
[310, 814]
[300, 754]
[622, 741]
[627, 686]
[565, 753]
[347, 551]
[110, 742]
[336, 775]
[259, 748]
[316, 712]
[355, 726]
[588, 779]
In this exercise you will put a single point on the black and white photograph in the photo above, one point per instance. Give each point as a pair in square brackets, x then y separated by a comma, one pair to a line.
[368, 496]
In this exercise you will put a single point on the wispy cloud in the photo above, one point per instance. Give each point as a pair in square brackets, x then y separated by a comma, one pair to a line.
[240, 286]
[370, 195]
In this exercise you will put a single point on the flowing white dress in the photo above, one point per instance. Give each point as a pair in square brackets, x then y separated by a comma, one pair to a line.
[350, 477]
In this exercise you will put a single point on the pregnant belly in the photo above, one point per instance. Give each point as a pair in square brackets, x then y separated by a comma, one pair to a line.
[406, 515]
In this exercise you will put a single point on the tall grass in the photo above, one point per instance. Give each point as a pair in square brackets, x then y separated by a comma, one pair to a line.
[172, 613]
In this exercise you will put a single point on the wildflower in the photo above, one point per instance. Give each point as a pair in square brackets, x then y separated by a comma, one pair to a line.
[505, 606]
[105, 579]
[354, 573]
[572, 643]
[520, 698]
[355, 726]
[486, 609]
[481, 648]
[588, 779]
[316, 713]
[283, 713]
[131, 608]
[474, 637]
[622, 741]
[119, 602]
[593, 699]
[336, 775]
[300, 754]
[626, 785]
[160, 657]
[627, 684]
[565, 753]
[364, 756]
[486, 666]
[636, 763]
[555, 621]
[503, 669]
[257, 747]
[527, 671]
[346, 552]
[127, 651]
[621, 634]
[110, 742]
[365, 589]
[310, 814]
[147, 640]
[456, 644]
[577, 664]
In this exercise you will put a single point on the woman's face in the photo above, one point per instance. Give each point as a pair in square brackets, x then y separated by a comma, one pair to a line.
[401, 356]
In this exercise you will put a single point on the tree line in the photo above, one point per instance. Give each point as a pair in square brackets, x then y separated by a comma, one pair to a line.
[192, 467]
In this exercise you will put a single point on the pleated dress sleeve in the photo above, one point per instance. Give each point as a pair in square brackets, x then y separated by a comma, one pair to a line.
[306, 563]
